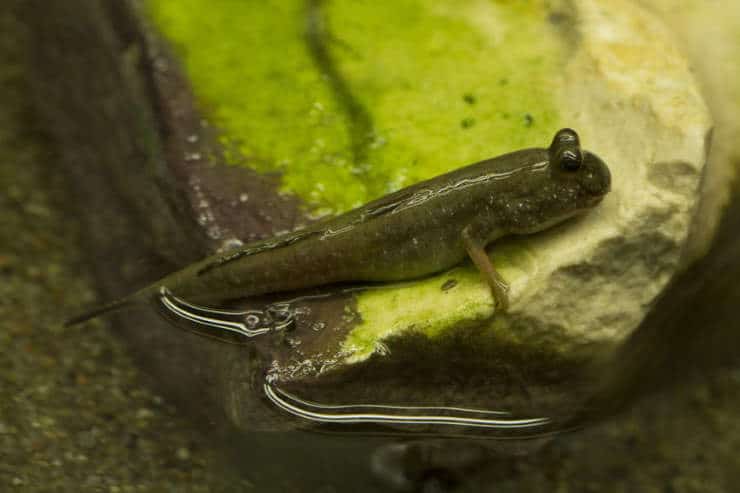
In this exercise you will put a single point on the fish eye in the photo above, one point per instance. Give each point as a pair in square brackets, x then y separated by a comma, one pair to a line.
[570, 159]
[566, 137]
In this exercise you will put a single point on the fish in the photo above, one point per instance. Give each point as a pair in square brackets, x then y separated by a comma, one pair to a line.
[426, 228]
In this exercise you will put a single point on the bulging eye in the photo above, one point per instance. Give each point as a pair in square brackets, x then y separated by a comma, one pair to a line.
[565, 150]
[566, 136]
[570, 159]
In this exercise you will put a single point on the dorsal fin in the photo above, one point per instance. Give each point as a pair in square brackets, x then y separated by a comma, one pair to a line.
[257, 247]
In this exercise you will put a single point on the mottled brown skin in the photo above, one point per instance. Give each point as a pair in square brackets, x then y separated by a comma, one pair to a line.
[420, 230]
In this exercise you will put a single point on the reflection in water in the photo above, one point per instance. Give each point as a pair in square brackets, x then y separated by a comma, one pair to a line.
[239, 326]
[233, 326]
[394, 414]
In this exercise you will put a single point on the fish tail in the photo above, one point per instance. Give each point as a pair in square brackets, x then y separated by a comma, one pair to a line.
[103, 309]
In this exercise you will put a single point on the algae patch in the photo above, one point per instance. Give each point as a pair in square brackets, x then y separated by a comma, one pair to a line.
[413, 66]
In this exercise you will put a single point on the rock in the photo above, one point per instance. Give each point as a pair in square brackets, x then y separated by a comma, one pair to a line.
[646, 119]
[358, 104]
[692, 325]
[593, 281]
[710, 37]
[630, 90]
[587, 282]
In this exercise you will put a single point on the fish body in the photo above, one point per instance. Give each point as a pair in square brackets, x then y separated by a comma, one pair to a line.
[420, 230]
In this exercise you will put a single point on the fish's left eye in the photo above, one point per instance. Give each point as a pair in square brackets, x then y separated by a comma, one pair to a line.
[570, 159]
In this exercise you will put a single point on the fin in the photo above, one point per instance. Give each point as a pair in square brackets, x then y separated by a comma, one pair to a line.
[101, 310]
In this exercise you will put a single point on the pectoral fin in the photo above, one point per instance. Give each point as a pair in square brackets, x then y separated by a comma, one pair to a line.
[476, 251]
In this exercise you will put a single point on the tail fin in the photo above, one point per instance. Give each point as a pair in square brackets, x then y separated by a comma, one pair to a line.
[101, 310]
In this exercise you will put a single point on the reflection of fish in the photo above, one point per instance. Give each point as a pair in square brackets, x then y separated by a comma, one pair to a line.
[394, 414]
[420, 230]
[225, 325]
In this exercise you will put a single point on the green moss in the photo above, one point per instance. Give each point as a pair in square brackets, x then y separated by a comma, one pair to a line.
[413, 65]
[374, 96]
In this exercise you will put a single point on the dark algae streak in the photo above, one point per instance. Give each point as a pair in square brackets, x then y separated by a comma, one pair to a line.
[417, 231]
[359, 120]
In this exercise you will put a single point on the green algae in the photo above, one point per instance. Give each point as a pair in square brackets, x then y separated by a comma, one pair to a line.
[443, 84]
[349, 101]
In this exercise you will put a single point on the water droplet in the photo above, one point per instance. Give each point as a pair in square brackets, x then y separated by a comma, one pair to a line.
[382, 349]
[318, 326]
[230, 244]
[292, 342]
[280, 316]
